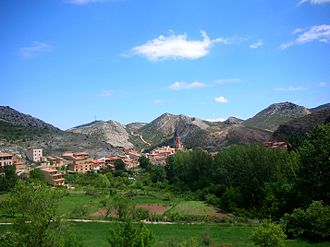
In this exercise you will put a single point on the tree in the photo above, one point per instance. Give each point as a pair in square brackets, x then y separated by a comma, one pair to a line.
[120, 167]
[8, 178]
[144, 163]
[102, 181]
[269, 235]
[37, 175]
[36, 222]
[314, 171]
[312, 224]
[130, 235]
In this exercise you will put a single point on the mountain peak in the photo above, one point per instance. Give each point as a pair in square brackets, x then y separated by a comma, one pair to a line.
[275, 115]
[233, 120]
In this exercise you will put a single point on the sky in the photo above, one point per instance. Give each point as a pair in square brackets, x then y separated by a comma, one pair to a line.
[70, 62]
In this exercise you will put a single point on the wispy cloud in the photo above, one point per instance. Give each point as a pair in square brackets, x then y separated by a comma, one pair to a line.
[185, 85]
[323, 84]
[256, 44]
[290, 89]
[35, 49]
[106, 93]
[319, 33]
[227, 81]
[83, 2]
[218, 119]
[159, 101]
[177, 47]
[314, 1]
[221, 100]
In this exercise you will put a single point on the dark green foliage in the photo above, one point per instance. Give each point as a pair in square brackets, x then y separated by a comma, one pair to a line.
[129, 235]
[269, 235]
[248, 168]
[144, 163]
[230, 199]
[8, 178]
[314, 171]
[157, 173]
[252, 177]
[37, 175]
[312, 224]
[190, 170]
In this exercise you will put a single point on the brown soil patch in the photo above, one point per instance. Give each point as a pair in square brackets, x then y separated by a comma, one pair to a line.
[219, 216]
[102, 213]
[156, 209]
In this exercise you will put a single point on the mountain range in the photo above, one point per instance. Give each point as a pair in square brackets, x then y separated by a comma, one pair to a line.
[105, 137]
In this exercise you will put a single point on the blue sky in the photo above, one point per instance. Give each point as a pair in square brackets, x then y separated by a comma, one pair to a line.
[71, 61]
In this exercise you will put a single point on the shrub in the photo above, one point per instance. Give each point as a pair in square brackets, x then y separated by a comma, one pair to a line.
[268, 235]
[312, 224]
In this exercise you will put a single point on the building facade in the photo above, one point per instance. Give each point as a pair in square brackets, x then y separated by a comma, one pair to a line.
[52, 176]
[6, 159]
[35, 155]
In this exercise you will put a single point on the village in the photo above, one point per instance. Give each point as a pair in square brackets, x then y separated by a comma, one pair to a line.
[54, 166]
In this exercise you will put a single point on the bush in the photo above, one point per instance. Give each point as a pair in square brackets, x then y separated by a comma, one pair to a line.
[128, 235]
[269, 235]
[312, 224]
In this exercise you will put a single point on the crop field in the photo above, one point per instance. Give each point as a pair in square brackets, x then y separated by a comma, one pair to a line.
[96, 234]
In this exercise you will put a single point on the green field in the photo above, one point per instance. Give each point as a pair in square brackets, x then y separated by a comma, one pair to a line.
[95, 234]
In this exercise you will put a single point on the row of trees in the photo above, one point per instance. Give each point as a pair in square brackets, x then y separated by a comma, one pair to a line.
[258, 180]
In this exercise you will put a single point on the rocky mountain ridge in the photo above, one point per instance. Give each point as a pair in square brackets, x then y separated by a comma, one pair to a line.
[276, 114]
[101, 137]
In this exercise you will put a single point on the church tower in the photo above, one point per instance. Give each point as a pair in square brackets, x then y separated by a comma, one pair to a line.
[178, 143]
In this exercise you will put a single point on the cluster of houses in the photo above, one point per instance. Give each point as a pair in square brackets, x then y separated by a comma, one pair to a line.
[52, 167]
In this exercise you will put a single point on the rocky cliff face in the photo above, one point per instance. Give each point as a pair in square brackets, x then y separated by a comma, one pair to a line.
[275, 115]
[110, 132]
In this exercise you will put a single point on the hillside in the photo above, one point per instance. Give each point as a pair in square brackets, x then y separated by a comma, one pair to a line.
[23, 132]
[14, 117]
[276, 114]
[303, 124]
[110, 132]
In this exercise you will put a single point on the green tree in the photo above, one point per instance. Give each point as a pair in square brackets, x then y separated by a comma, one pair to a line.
[145, 163]
[102, 181]
[130, 235]
[37, 175]
[269, 235]
[314, 171]
[8, 178]
[36, 222]
[312, 224]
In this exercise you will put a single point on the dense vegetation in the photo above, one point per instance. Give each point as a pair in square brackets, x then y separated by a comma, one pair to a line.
[251, 181]
[262, 182]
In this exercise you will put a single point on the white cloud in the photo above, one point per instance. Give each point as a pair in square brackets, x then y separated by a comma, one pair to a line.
[290, 89]
[323, 84]
[184, 85]
[159, 101]
[33, 50]
[218, 119]
[82, 2]
[177, 47]
[221, 100]
[319, 33]
[256, 44]
[314, 1]
[226, 81]
[107, 93]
